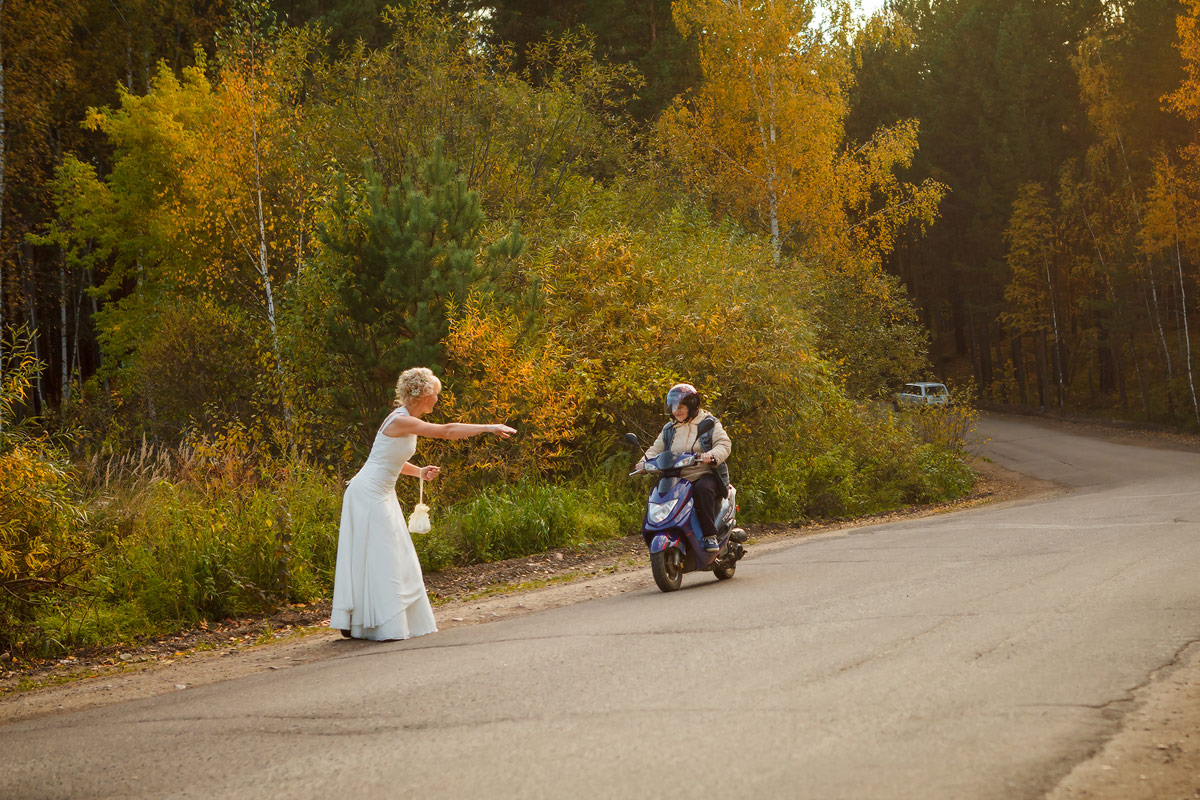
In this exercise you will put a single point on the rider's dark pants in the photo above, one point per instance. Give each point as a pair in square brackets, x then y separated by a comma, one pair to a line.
[704, 495]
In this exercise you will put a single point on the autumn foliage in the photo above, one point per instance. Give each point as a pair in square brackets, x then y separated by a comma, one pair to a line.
[279, 222]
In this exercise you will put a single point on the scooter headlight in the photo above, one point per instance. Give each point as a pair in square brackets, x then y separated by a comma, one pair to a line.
[657, 512]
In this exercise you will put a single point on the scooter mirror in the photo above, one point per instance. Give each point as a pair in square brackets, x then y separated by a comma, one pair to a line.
[632, 440]
[706, 425]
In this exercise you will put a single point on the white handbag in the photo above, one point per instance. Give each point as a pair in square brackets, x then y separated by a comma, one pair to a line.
[418, 520]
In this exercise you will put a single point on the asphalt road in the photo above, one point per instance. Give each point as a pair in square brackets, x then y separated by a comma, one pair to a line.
[973, 655]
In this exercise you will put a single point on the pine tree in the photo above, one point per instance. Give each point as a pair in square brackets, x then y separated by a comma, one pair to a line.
[410, 252]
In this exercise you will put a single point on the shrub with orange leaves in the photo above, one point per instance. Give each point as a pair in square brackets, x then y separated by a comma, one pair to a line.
[42, 545]
[622, 314]
[500, 375]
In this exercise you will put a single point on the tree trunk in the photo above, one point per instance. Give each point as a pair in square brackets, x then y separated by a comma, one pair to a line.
[1105, 367]
[1187, 339]
[1155, 318]
[766, 135]
[956, 317]
[25, 270]
[99, 352]
[3, 173]
[1119, 364]
[1018, 358]
[76, 302]
[1111, 345]
[1108, 361]
[1043, 370]
[64, 391]
[3, 128]
[263, 265]
[998, 358]
[1143, 381]
[1167, 348]
[1057, 333]
[976, 360]
[985, 354]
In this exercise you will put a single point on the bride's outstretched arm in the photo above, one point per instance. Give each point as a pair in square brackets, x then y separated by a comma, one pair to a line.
[402, 425]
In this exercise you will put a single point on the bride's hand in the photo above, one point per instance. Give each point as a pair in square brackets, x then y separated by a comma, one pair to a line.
[503, 431]
[429, 473]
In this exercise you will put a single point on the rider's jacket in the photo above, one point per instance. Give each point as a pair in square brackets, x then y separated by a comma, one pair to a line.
[684, 437]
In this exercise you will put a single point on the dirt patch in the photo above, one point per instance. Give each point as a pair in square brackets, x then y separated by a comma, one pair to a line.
[1156, 755]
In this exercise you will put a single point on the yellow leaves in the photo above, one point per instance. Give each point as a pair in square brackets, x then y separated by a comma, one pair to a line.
[1186, 99]
[196, 165]
[1172, 216]
[762, 135]
[551, 386]
[1039, 293]
[39, 522]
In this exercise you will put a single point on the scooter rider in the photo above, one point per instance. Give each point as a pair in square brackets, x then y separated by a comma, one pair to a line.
[710, 478]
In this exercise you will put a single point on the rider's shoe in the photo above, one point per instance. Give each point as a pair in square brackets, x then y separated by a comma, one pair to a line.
[711, 544]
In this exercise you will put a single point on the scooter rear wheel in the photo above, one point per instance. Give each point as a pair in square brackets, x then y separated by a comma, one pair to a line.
[667, 567]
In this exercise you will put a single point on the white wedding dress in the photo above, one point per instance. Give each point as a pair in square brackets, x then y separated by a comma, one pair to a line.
[378, 588]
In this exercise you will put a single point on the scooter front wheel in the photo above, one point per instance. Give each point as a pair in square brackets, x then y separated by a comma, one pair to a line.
[667, 567]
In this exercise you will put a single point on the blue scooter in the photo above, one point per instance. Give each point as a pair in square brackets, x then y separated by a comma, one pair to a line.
[672, 530]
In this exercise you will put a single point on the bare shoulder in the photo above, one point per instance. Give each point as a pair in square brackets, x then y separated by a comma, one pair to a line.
[404, 425]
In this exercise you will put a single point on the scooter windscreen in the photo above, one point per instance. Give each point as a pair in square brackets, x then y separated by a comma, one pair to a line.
[667, 460]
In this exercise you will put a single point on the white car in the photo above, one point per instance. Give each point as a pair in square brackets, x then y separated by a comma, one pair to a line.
[922, 394]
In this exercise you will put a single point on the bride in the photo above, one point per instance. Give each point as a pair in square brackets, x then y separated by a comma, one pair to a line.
[378, 588]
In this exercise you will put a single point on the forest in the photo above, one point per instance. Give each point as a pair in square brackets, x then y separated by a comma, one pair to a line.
[227, 225]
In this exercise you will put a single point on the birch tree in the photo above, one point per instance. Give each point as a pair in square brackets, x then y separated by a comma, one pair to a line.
[247, 85]
[1033, 292]
[762, 137]
[1163, 233]
[207, 196]
[1172, 216]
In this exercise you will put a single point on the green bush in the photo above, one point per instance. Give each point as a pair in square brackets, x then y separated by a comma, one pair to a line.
[194, 533]
[941, 475]
[533, 518]
[197, 555]
[198, 366]
[850, 462]
[945, 427]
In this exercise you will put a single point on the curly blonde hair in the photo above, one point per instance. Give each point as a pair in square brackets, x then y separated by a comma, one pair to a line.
[414, 383]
